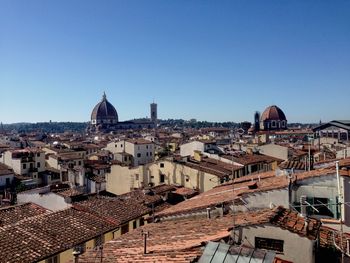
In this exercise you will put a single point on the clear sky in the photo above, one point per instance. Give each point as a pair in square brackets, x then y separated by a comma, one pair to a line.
[209, 60]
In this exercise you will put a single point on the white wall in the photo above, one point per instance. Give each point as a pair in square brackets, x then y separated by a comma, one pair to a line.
[188, 149]
[295, 249]
[274, 150]
[278, 197]
[48, 200]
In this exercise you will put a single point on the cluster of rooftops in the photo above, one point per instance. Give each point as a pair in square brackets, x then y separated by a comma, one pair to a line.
[175, 232]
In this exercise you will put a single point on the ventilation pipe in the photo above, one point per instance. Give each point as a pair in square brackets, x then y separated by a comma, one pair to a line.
[208, 212]
[303, 206]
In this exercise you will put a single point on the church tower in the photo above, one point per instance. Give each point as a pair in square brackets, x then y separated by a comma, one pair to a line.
[154, 114]
[257, 121]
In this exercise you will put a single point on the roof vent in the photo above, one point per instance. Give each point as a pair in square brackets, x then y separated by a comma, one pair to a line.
[253, 185]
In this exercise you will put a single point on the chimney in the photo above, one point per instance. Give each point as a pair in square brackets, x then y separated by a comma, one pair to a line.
[303, 206]
[208, 212]
[198, 156]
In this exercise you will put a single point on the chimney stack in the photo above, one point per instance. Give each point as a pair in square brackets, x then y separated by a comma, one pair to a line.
[208, 212]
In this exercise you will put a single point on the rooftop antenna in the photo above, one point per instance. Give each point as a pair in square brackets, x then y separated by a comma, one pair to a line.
[310, 156]
[340, 196]
[233, 200]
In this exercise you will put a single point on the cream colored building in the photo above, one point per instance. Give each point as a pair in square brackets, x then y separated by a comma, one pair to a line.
[202, 174]
[28, 162]
[188, 149]
[141, 150]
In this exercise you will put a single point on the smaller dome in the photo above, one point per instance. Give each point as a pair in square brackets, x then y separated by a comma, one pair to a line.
[273, 113]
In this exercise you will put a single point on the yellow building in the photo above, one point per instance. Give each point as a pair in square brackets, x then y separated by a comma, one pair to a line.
[199, 173]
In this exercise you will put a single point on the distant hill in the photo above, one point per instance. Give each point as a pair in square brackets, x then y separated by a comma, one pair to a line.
[46, 127]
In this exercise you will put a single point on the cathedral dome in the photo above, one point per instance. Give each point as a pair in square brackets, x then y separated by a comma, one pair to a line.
[104, 113]
[273, 118]
[273, 113]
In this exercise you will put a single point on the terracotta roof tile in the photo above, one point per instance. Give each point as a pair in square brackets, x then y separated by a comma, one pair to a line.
[116, 209]
[224, 194]
[174, 241]
[13, 214]
[38, 237]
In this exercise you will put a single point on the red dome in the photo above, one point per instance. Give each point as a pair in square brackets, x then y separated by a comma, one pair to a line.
[273, 113]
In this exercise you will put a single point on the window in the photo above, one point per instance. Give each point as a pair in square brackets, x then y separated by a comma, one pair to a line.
[99, 241]
[81, 247]
[161, 165]
[162, 178]
[146, 146]
[187, 178]
[24, 166]
[273, 124]
[121, 145]
[54, 259]
[134, 225]
[115, 234]
[38, 164]
[38, 154]
[150, 153]
[125, 229]
[55, 176]
[31, 165]
[79, 163]
[142, 221]
[146, 153]
[139, 155]
[7, 181]
[269, 243]
[125, 158]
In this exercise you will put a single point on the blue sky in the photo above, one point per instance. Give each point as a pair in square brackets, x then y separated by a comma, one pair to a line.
[209, 60]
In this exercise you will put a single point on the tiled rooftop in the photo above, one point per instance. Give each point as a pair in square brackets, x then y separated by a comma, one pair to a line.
[179, 240]
[139, 141]
[292, 221]
[13, 214]
[38, 237]
[212, 166]
[224, 194]
[173, 241]
[246, 159]
[116, 209]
